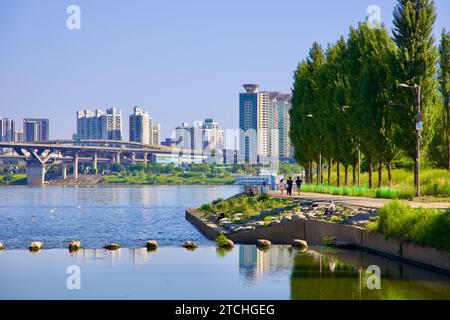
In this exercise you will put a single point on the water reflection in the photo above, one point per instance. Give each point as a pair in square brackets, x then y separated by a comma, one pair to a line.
[255, 263]
[245, 272]
[342, 274]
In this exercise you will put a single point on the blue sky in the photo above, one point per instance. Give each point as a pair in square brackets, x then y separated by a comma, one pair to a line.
[183, 60]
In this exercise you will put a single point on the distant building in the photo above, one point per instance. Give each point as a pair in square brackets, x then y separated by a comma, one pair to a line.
[18, 136]
[280, 104]
[139, 126]
[156, 135]
[99, 125]
[35, 129]
[142, 128]
[254, 124]
[7, 130]
[200, 136]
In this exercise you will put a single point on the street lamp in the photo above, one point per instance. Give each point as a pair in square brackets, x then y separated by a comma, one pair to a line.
[319, 173]
[419, 127]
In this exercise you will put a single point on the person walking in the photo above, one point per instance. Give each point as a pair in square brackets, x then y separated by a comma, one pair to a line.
[281, 185]
[299, 183]
[290, 184]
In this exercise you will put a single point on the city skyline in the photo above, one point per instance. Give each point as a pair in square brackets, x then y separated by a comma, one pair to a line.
[137, 61]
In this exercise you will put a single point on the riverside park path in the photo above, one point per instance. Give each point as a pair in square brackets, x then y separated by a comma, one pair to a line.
[355, 201]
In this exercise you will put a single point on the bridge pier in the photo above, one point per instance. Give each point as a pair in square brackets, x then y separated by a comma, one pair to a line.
[117, 157]
[75, 165]
[35, 173]
[145, 157]
[94, 163]
[64, 170]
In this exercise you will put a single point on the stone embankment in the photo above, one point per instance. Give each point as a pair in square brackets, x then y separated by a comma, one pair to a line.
[312, 228]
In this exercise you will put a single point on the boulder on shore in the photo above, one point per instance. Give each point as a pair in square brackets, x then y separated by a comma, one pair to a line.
[299, 243]
[36, 246]
[74, 245]
[2, 246]
[190, 245]
[228, 244]
[152, 245]
[262, 243]
[112, 246]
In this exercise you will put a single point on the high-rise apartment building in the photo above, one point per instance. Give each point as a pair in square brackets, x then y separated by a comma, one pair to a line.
[35, 129]
[254, 124]
[200, 136]
[139, 126]
[7, 129]
[142, 129]
[280, 104]
[156, 135]
[99, 125]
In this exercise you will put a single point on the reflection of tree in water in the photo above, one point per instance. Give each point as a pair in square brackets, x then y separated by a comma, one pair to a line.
[341, 274]
[255, 263]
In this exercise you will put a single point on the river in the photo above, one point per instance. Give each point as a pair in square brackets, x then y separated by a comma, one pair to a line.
[132, 215]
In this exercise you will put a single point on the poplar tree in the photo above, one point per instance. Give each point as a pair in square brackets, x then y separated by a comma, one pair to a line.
[444, 81]
[415, 64]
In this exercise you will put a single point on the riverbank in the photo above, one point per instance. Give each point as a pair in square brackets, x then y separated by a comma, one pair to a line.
[411, 235]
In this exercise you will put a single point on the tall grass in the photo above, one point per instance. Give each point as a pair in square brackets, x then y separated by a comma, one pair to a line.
[387, 193]
[433, 182]
[422, 226]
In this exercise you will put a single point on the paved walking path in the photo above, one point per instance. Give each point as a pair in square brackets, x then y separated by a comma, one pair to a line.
[356, 201]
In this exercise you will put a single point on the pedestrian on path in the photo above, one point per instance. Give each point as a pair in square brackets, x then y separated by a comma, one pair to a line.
[290, 184]
[281, 185]
[299, 183]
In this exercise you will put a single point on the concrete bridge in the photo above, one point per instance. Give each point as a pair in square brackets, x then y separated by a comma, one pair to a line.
[39, 156]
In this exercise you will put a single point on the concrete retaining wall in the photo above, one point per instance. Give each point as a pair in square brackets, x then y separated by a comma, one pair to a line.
[374, 241]
[209, 230]
[313, 231]
[427, 256]
[316, 230]
[282, 233]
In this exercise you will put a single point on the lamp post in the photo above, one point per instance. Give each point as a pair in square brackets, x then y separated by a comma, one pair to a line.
[319, 173]
[419, 127]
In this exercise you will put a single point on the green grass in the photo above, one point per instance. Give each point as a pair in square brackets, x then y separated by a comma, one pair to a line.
[248, 206]
[422, 226]
[433, 183]
[387, 193]
[148, 178]
[13, 179]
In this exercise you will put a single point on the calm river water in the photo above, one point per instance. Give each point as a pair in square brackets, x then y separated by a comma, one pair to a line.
[131, 215]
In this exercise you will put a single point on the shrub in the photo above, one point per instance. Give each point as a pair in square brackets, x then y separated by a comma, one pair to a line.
[222, 241]
[422, 226]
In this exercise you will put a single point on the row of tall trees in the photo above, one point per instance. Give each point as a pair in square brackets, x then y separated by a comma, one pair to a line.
[347, 102]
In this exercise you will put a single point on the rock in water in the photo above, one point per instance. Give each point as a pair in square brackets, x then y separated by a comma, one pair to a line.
[36, 246]
[112, 246]
[190, 245]
[228, 244]
[299, 243]
[74, 245]
[2, 246]
[152, 245]
[262, 243]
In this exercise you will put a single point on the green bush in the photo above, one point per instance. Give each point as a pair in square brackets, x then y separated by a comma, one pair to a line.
[422, 226]
[222, 241]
